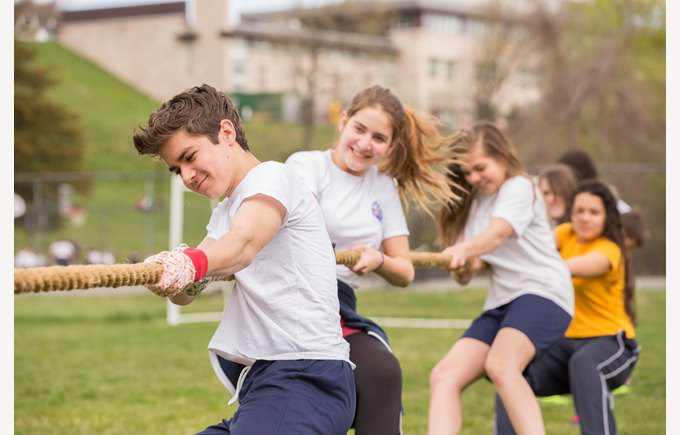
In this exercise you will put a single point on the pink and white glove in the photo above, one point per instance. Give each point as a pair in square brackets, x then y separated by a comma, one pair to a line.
[180, 269]
[197, 287]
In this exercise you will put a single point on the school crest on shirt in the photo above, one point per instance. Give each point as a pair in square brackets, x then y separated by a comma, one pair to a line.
[377, 211]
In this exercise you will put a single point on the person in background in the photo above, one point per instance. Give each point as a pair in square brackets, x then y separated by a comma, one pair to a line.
[635, 230]
[598, 352]
[581, 163]
[63, 252]
[93, 256]
[134, 257]
[558, 184]
[27, 257]
[107, 257]
[584, 169]
[281, 327]
[530, 299]
[383, 150]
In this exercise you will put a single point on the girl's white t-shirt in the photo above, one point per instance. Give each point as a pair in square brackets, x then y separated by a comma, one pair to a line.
[285, 303]
[528, 261]
[358, 210]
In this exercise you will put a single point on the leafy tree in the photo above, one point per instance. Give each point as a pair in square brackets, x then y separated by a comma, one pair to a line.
[46, 136]
[368, 18]
[602, 65]
[602, 70]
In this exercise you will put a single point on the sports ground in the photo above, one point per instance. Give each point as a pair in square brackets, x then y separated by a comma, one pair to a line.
[109, 364]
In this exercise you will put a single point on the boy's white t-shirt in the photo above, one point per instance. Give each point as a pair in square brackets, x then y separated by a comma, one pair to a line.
[358, 210]
[528, 261]
[285, 303]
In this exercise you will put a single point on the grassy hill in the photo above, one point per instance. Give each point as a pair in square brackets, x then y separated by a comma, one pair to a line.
[109, 110]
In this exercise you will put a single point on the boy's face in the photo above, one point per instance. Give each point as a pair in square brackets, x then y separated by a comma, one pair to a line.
[203, 165]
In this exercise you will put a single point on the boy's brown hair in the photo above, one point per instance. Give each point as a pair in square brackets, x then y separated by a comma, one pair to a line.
[198, 111]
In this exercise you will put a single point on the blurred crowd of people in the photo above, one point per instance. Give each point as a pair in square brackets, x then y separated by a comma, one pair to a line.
[64, 252]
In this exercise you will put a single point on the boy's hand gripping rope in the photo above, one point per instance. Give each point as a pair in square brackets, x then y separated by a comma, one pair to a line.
[55, 278]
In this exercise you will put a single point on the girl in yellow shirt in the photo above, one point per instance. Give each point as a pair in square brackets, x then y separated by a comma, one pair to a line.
[598, 351]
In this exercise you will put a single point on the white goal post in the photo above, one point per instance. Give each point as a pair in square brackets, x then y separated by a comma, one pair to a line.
[174, 314]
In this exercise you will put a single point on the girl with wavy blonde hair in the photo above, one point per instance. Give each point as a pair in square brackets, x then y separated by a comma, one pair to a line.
[384, 153]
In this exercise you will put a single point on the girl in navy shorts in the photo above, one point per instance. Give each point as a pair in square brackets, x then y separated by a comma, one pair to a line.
[530, 301]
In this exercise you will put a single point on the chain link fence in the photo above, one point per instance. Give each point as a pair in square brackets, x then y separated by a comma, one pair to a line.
[127, 214]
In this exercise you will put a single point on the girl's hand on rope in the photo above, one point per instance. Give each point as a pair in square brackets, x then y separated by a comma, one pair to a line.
[180, 269]
[370, 260]
[475, 264]
[457, 254]
[466, 272]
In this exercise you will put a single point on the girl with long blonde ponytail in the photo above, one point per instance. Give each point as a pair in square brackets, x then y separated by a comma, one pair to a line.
[384, 153]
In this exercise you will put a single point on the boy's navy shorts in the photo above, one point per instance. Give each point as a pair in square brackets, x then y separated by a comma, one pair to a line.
[293, 397]
[539, 318]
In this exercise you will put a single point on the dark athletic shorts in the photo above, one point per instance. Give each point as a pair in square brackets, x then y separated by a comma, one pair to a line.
[293, 397]
[539, 318]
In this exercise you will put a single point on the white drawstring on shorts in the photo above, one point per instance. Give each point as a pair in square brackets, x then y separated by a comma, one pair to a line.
[239, 384]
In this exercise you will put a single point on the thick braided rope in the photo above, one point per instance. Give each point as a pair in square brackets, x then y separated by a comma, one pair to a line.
[55, 278]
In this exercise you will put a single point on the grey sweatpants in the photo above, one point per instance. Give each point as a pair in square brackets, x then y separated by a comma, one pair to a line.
[588, 368]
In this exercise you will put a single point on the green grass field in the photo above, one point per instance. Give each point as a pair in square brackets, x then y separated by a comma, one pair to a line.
[110, 365]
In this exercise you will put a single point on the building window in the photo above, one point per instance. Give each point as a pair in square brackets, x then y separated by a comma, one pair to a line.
[239, 68]
[433, 67]
[239, 52]
[448, 118]
[450, 70]
[259, 45]
[486, 71]
[403, 21]
[475, 27]
[443, 24]
[388, 73]
[239, 43]
[527, 77]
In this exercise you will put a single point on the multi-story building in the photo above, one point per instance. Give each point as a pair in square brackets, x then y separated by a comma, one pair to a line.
[432, 53]
[35, 21]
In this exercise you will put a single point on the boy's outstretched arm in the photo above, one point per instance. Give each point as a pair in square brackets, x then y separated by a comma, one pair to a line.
[256, 222]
